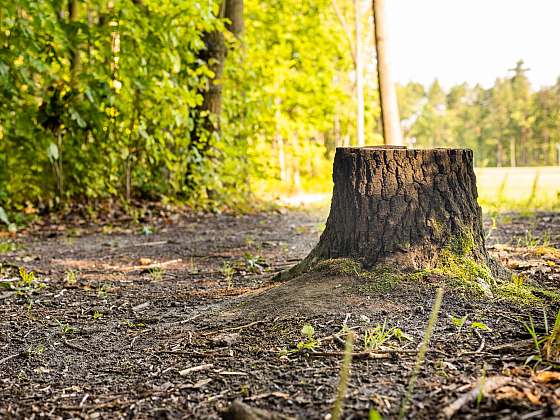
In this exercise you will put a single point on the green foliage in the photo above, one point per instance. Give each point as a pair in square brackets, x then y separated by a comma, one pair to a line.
[547, 346]
[380, 334]
[459, 322]
[310, 342]
[102, 103]
[107, 103]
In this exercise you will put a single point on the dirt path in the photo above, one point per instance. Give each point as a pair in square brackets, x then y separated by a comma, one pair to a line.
[125, 325]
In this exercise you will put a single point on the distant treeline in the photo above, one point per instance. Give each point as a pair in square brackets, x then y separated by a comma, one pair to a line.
[508, 124]
[123, 99]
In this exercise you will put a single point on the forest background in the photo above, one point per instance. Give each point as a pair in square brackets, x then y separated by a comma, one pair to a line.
[107, 100]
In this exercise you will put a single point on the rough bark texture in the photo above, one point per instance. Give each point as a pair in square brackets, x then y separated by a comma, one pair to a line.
[403, 207]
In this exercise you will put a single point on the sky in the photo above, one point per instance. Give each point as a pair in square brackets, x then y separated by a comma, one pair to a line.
[473, 41]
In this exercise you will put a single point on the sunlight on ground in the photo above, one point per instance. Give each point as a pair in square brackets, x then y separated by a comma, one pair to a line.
[499, 189]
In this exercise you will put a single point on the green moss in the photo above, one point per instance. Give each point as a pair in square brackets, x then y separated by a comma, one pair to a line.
[376, 281]
[462, 244]
[515, 293]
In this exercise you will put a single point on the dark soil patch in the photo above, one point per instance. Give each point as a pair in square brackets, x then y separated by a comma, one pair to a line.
[149, 322]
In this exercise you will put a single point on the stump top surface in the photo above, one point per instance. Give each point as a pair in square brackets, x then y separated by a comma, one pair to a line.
[403, 148]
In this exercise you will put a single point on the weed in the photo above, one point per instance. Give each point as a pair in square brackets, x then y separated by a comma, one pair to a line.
[103, 291]
[97, 315]
[517, 279]
[459, 322]
[131, 324]
[422, 352]
[480, 394]
[374, 415]
[71, 277]
[156, 273]
[310, 342]
[66, 329]
[27, 278]
[529, 241]
[480, 326]
[547, 347]
[254, 263]
[228, 271]
[6, 247]
[35, 350]
[344, 377]
[192, 266]
[147, 230]
[380, 334]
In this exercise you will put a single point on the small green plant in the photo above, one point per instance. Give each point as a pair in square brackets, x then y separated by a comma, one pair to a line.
[35, 350]
[459, 322]
[228, 271]
[377, 336]
[156, 273]
[66, 329]
[374, 415]
[528, 241]
[131, 324]
[147, 230]
[254, 263]
[97, 315]
[6, 247]
[310, 342]
[27, 278]
[480, 326]
[547, 347]
[517, 280]
[480, 394]
[103, 291]
[71, 277]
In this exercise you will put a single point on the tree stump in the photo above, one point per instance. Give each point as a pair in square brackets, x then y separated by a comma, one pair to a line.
[408, 208]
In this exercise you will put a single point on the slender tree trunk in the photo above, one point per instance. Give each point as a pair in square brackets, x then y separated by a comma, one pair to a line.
[279, 140]
[360, 135]
[512, 160]
[388, 97]
[75, 57]
[214, 54]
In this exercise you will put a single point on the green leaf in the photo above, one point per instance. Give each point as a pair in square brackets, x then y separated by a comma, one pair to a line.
[480, 326]
[308, 330]
[4, 217]
[52, 152]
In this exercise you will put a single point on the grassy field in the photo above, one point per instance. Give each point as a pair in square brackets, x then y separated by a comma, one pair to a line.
[502, 189]
[499, 189]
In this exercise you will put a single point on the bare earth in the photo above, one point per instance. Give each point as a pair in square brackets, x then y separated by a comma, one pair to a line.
[162, 323]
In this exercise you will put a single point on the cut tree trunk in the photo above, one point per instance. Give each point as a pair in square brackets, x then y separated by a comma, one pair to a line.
[403, 208]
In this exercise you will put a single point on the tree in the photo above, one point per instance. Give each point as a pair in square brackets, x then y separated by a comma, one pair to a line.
[214, 54]
[355, 44]
[389, 108]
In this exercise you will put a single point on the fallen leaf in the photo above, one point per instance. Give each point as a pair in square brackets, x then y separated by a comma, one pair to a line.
[547, 376]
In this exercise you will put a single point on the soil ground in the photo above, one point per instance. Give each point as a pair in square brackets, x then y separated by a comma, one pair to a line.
[146, 320]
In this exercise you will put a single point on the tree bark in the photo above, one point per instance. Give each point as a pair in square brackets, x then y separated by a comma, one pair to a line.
[360, 122]
[214, 54]
[402, 207]
[390, 119]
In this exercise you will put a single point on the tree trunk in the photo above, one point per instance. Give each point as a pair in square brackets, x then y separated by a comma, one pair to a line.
[388, 97]
[360, 122]
[512, 158]
[214, 54]
[405, 208]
